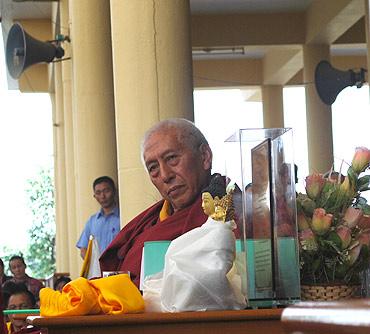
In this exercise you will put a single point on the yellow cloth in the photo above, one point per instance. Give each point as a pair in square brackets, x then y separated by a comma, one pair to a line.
[76, 298]
[86, 264]
[110, 295]
[118, 295]
[166, 211]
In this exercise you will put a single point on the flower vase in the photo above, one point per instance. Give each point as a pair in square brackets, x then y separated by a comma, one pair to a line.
[325, 292]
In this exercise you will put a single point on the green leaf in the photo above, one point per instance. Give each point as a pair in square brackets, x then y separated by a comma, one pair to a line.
[341, 270]
[363, 183]
[361, 201]
[334, 241]
[362, 262]
[352, 176]
[316, 264]
[365, 208]
[305, 205]
[327, 195]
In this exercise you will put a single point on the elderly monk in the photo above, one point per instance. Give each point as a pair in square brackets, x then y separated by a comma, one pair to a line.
[178, 160]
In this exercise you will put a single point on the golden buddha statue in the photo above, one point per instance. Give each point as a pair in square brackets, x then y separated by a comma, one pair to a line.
[216, 202]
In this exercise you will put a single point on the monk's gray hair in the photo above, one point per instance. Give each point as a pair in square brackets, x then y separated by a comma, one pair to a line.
[187, 133]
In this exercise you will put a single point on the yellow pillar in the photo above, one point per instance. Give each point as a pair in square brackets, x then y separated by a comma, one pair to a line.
[93, 102]
[62, 262]
[68, 255]
[71, 221]
[367, 27]
[273, 107]
[152, 80]
[319, 118]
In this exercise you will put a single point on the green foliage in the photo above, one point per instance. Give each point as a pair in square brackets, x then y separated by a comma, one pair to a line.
[40, 255]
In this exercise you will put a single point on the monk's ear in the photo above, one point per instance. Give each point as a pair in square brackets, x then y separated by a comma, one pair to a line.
[206, 154]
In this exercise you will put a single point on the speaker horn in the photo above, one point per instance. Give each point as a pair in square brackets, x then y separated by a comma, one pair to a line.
[22, 51]
[330, 81]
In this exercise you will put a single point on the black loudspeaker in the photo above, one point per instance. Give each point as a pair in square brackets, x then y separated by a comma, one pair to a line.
[330, 82]
[22, 51]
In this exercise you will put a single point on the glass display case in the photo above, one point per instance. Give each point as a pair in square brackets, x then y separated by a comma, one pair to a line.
[260, 162]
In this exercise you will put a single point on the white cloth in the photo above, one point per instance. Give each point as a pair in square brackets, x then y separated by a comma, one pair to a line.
[197, 264]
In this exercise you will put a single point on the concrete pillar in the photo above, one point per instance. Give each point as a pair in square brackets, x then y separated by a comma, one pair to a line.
[152, 80]
[273, 107]
[367, 27]
[62, 261]
[74, 261]
[93, 102]
[319, 118]
[69, 255]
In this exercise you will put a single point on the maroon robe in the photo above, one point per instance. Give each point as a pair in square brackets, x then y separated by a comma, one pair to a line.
[2, 322]
[125, 251]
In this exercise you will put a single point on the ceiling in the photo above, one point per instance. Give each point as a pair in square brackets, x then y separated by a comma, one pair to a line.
[25, 9]
[42, 9]
[11, 10]
[247, 6]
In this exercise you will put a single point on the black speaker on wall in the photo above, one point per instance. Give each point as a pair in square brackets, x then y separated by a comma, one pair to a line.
[23, 51]
[330, 81]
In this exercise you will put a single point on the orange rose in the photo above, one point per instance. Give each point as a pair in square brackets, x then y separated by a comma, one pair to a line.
[314, 185]
[361, 159]
[321, 221]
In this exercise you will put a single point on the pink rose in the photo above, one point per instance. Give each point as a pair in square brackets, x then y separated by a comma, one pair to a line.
[364, 238]
[364, 222]
[361, 159]
[352, 216]
[321, 221]
[344, 233]
[314, 185]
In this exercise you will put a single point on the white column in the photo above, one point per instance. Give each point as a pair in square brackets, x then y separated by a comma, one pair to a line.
[273, 107]
[367, 27]
[152, 80]
[319, 118]
[61, 238]
[92, 102]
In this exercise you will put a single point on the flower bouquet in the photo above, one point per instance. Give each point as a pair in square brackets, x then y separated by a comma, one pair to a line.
[334, 225]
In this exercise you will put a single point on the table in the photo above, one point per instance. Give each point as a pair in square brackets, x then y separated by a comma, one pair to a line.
[341, 317]
[261, 321]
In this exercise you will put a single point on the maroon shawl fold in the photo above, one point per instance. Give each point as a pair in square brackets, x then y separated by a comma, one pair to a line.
[125, 251]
